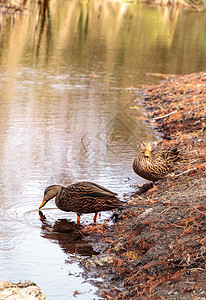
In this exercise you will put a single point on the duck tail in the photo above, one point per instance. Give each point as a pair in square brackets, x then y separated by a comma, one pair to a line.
[173, 155]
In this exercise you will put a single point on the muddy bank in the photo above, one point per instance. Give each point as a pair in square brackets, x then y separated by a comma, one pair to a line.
[157, 249]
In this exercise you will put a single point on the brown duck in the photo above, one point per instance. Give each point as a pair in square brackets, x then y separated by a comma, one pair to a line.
[154, 164]
[82, 197]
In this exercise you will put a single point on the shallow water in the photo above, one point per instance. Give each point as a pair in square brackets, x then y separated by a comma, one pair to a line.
[70, 111]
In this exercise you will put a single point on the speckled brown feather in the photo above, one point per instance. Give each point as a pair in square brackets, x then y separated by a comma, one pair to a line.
[157, 165]
[86, 197]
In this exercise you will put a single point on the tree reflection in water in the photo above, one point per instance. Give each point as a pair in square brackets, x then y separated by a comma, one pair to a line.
[68, 235]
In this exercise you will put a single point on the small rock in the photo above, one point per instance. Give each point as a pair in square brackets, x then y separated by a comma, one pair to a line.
[98, 261]
[26, 290]
[119, 246]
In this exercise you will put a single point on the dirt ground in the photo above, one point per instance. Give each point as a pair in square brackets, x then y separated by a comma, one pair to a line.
[157, 248]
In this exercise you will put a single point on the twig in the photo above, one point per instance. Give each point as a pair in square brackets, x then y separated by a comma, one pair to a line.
[199, 211]
[83, 142]
[161, 117]
[175, 225]
[185, 172]
[164, 211]
[192, 162]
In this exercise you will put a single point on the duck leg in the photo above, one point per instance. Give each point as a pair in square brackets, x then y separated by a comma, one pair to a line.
[154, 186]
[95, 217]
[78, 220]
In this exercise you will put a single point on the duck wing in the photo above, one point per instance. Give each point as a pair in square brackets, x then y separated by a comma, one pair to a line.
[89, 189]
[170, 155]
[166, 157]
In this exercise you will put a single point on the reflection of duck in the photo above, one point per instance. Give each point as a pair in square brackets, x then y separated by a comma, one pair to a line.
[82, 197]
[68, 235]
[155, 164]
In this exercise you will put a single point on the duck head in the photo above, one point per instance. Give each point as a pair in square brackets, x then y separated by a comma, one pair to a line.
[145, 148]
[49, 193]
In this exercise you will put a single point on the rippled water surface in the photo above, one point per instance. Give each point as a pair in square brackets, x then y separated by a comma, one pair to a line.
[70, 110]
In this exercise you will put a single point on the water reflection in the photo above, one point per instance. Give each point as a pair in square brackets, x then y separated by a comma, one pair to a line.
[123, 39]
[68, 235]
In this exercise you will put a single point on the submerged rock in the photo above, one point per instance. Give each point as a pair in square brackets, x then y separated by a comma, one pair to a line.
[22, 290]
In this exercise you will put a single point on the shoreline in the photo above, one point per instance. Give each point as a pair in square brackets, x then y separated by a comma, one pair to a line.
[157, 249]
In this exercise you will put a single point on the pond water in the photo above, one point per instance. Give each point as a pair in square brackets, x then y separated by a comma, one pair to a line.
[70, 85]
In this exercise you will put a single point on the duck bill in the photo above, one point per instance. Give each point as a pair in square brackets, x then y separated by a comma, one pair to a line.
[147, 152]
[43, 203]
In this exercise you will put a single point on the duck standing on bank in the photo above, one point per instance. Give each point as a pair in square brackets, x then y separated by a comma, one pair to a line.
[154, 164]
[82, 197]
